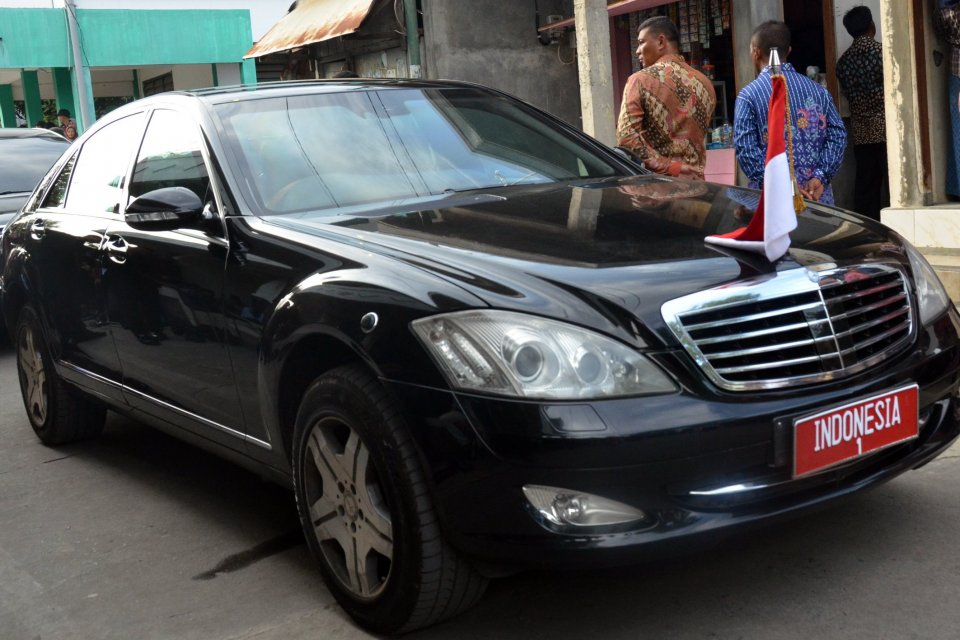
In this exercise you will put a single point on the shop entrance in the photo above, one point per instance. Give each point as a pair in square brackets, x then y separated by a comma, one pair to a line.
[706, 42]
[813, 41]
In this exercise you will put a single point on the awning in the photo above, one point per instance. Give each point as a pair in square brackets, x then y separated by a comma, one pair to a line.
[312, 21]
[613, 9]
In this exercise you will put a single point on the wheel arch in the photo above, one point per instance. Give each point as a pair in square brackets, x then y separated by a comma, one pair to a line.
[16, 291]
[300, 367]
[14, 297]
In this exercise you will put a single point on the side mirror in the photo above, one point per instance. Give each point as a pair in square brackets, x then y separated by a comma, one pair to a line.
[164, 209]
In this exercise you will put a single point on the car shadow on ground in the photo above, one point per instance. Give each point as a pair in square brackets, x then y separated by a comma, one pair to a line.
[773, 576]
[755, 573]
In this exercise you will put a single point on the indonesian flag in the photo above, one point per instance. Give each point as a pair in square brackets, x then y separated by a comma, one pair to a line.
[769, 229]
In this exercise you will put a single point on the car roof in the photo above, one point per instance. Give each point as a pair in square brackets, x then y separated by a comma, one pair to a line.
[10, 133]
[296, 87]
[212, 96]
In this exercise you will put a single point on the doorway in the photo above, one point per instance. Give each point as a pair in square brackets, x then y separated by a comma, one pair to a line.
[813, 41]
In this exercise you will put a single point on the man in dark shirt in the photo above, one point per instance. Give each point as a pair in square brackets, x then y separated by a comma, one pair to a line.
[860, 72]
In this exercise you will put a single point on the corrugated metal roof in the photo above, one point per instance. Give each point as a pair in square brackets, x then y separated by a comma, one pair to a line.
[312, 21]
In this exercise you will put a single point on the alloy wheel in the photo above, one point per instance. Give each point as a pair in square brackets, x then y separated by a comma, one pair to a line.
[350, 517]
[33, 378]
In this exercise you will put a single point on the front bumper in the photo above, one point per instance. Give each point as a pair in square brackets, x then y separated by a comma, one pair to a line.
[703, 464]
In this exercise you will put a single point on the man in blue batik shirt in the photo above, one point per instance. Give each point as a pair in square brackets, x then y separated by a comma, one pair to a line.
[819, 136]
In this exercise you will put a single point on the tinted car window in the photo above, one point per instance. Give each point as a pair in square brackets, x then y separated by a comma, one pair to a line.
[335, 150]
[58, 192]
[459, 139]
[23, 161]
[331, 149]
[170, 156]
[97, 182]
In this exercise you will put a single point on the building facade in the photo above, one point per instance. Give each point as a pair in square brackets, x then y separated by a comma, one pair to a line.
[569, 57]
[77, 51]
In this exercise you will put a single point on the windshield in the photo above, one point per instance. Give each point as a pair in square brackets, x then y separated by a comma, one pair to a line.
[23, 161]
[334, 150]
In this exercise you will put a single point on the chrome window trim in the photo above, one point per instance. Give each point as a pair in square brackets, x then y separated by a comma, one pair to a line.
[167, 405]
[778, 285]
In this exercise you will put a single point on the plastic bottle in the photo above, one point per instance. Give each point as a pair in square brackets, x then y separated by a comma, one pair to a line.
[727, 135]
[707, 68]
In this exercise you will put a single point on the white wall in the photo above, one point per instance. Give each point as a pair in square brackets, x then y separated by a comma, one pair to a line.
[840, 7]
[228, 75]
[843, 38]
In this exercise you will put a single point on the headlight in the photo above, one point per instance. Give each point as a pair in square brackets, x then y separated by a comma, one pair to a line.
[932, 298]
[525, 356]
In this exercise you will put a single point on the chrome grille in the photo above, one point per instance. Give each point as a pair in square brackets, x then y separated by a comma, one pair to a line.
[795, 327]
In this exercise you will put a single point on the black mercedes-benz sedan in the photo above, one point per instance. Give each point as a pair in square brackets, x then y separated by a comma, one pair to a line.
[468, 336]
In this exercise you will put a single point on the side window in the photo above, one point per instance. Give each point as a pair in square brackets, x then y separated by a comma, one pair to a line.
[97, 182]
[58, 192]
[170, 157]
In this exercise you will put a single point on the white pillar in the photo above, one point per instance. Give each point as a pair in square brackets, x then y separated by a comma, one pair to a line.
[595, 69]
[901, 104]
[82, 75]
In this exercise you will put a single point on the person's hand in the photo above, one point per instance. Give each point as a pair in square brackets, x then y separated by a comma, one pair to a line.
[813, 190]
[674, 168]
[686, 171]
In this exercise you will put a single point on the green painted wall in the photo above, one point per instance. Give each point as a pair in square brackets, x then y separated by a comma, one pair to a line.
[63, 88]
[34, 38]
[248, 71]
[8, 116]
[129, 37]
[31, 97]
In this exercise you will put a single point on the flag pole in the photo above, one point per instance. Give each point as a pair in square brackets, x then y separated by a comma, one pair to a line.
[768, 231]
[777, 70]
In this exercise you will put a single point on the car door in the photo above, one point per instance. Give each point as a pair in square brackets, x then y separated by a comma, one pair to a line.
[164, 293]
[66, 233]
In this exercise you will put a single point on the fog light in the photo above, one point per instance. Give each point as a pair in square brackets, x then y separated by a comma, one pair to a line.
[575, 510]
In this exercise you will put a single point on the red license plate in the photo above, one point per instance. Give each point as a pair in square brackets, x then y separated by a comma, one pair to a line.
[844, 433]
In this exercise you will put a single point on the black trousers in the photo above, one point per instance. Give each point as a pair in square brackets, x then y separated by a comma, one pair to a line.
[871, 190]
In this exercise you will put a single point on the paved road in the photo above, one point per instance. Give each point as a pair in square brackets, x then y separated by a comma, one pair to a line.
[139, 536]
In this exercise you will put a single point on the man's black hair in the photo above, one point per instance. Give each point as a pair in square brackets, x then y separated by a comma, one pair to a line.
[661, 25]
[857, 21]
[772, 33]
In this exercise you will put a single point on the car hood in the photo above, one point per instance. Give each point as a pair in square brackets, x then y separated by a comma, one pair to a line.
[10, 203]
[600, 253]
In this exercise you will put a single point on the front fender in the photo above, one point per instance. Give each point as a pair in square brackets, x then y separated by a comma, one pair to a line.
[357, 315]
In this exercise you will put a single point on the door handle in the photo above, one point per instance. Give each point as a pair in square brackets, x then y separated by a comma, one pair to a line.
[117, 249]
[37, 229]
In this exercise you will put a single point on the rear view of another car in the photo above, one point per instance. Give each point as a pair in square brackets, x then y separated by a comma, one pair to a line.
[25, 156]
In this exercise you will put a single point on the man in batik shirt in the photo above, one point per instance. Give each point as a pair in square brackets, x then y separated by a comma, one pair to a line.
[860, 72]
[819, 136]
[667, 105]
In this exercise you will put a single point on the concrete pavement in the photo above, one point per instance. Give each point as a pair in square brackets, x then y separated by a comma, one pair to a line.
[138, 536]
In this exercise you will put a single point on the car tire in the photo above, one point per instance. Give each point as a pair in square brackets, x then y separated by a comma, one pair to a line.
[366, 512]
[58, 413]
